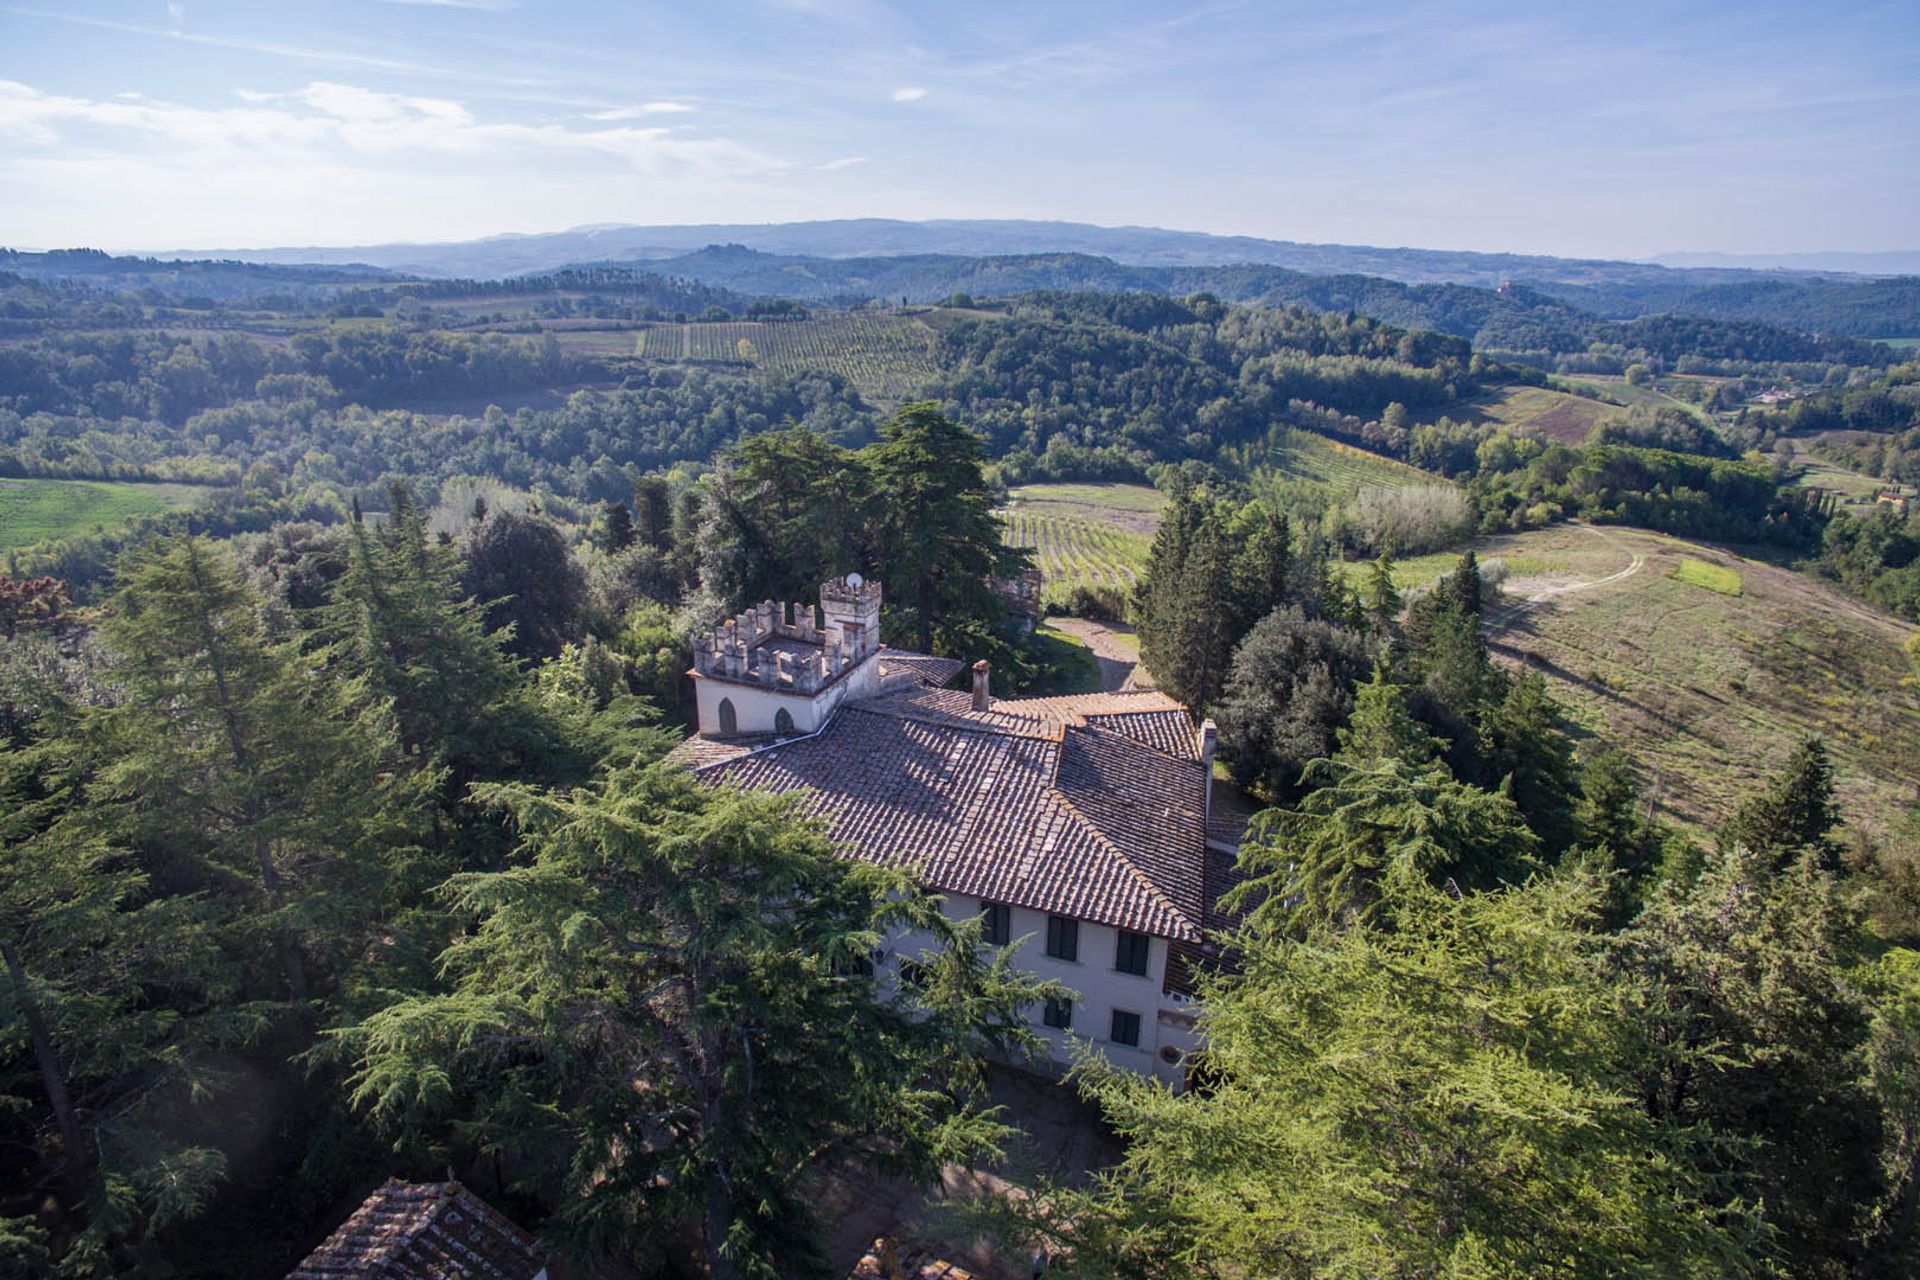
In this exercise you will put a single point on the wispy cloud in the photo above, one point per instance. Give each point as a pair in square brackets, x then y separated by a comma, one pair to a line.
[327, 153]
[301, 53]
[909, 93]
[642, 111]
[839, 163]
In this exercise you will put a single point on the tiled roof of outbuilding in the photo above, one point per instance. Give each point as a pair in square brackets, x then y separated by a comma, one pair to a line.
[932, 671]
[423, 1231]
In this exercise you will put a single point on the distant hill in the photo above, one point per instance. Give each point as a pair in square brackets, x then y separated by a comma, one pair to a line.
[1891, 263]
[885, 237]
[225, 280]
[1518, 318]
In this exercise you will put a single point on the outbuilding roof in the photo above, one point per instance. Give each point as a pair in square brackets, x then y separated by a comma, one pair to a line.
[423, 1231]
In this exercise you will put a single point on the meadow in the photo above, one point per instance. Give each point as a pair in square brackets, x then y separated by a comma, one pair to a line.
[1557, 415]
[33, 511]
[1304, 456]
[1709, 689]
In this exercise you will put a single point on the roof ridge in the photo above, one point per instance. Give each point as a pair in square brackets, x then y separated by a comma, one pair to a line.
[1093, 829]
[1133, 741]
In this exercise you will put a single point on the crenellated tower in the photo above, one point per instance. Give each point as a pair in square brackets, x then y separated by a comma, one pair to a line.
[771, 670]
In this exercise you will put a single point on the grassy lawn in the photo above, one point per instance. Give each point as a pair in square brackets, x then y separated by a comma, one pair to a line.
[1125, 506]
[45, 510]
[1066, 666]
[1709, 690]
[1713, 577]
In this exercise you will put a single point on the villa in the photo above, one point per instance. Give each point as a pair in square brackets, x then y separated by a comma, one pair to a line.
[1085, 830]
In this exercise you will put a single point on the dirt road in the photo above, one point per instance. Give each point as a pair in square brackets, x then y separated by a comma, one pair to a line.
[1115, 648]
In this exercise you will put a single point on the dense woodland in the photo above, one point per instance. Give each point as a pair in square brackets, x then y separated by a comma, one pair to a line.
[336, 841]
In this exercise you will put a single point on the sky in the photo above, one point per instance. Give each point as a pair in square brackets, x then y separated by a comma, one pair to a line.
[1607, 130]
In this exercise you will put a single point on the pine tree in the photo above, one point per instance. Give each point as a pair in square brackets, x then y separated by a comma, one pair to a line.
[1363, 831]
[1378, 596]
[1381, 728]
[1738, 979]
[653, 512]
[1462, 587]
[1205, 615]
[1795, 813]
[1157, 595]
[1524, 743]
[1439, 1096]
[1262, 572]
[940, 543]
[232, 757]
[616, 529]
[711, 946]
[116, 995]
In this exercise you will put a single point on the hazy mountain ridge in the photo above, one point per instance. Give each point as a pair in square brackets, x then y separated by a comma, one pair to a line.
[513, 254]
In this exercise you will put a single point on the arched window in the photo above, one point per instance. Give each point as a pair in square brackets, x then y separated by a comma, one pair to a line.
[729, 722]
[783, 722]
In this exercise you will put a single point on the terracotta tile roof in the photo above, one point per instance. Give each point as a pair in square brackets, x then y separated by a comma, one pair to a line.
[423, 1231]
[698, 752]
[1168, 731]
[932, 671]
[1076, 821]
[890, 1259]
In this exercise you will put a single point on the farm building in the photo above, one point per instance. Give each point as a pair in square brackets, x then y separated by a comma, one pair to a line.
[1085, 830]
[424, 1231]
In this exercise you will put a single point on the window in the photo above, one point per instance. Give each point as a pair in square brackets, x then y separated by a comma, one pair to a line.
[1130, 952]
[729, 722]
[1059, 1013]
[1126, 1028]
[1063, 938]
[996, 924]
[783, 722]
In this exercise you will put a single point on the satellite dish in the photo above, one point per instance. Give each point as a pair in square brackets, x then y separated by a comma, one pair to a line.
[855, 581]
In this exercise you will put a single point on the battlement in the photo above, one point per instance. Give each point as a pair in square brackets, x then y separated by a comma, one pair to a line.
[776, 645]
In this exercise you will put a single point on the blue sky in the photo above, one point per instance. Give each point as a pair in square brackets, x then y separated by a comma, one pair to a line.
[1598, 129]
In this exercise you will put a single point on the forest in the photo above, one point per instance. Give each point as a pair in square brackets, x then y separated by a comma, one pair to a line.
[338, 838]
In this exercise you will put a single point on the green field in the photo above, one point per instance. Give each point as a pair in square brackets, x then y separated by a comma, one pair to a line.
[1900, 344]
[1557, 415]
[1714, 577]
[1296, 455]
[1707, 690]
[43, 510]
[889, 357]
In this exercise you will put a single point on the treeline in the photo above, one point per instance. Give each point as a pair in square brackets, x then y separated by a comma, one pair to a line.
[1527, 315]
[590, 446]
[1089, 379]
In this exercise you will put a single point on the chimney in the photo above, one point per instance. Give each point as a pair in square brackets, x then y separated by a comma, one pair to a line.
[1209, 737]
[982, 682]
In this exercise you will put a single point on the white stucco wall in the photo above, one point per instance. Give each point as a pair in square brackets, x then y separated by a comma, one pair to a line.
[1101, 989]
